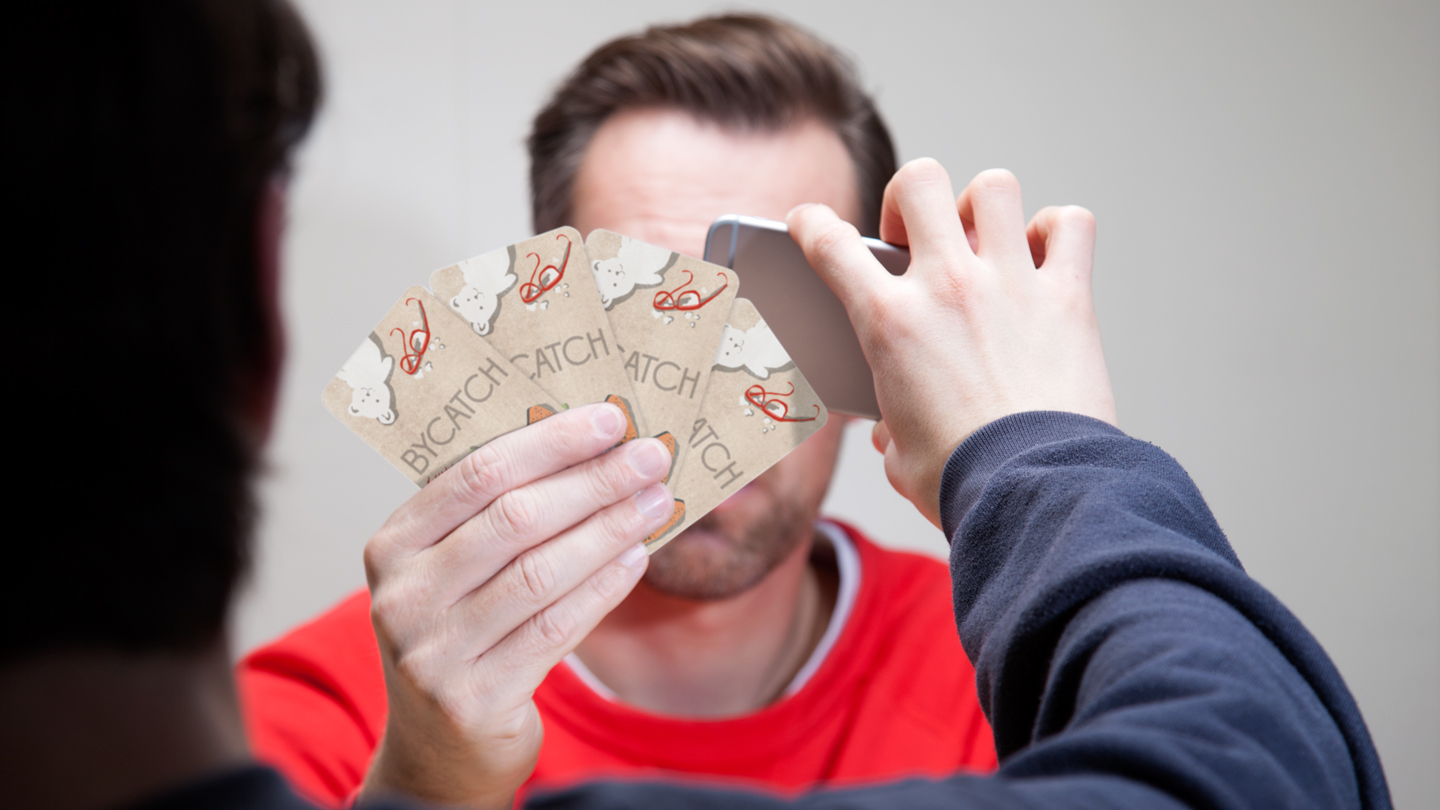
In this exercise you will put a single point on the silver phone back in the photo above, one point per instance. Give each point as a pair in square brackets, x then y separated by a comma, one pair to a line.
[799, 306]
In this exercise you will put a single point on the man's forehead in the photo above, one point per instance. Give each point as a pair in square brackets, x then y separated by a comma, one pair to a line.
[662, 175]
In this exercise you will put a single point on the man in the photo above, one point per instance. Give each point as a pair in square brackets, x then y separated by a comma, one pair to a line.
[761, 646]
[147, 145]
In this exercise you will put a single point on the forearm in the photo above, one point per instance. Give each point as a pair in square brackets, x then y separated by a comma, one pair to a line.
[1114, 631]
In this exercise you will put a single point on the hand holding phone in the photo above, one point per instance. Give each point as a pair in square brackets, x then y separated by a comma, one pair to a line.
[971, 334]
[800, 308]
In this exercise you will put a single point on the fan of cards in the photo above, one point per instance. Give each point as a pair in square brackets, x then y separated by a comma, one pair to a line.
[515, 335]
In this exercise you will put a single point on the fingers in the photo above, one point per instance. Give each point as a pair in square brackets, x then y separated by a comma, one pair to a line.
[527, 516]
[532, 515]
[519, 662]
[833, 248]
[540, 577]
[919, 210]
[510, 461]
[880, 436]
[992, 201]
[1063, 236]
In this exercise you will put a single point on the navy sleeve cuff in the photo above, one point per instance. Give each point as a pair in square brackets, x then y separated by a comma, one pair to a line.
[987, 449]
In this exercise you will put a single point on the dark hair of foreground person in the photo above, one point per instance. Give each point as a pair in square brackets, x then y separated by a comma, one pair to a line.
[141, 139]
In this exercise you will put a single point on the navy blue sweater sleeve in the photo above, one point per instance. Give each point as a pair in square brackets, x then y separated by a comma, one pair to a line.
[1122, 654]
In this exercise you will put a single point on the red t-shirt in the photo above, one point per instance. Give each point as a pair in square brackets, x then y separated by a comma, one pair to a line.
[894, 697]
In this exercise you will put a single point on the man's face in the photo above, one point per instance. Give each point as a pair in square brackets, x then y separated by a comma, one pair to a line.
[662, 176]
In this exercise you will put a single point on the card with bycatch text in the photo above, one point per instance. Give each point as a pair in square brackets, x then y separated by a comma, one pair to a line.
[512, 336]
[667, 312]
[756, 409]
[423, 391]
[536, 303]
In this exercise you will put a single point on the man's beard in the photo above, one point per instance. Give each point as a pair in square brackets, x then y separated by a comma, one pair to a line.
[721, 556]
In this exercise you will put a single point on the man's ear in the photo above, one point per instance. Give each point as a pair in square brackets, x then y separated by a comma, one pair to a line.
[263, 386]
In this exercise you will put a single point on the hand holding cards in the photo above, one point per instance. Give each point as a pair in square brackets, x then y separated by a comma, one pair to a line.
[512, 336]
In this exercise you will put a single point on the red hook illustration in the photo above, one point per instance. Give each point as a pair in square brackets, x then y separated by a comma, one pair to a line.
[687, 300]
[417, 342]
[757, 395]
[548, 276]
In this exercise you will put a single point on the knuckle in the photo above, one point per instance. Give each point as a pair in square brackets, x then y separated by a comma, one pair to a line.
[374, 558]
[883, 311]
[893, 319]
[610, 581]
[418, 665]
[620, 523]
[384, 605]
[515, 515]
[486, 471]
[827, 242]
[569, 427]
[957, 290]
[610, 476]
[536, 576]
[481, 688]
[552, 628]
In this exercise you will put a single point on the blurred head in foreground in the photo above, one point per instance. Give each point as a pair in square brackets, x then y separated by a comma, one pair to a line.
[150, 153]
[148, 143]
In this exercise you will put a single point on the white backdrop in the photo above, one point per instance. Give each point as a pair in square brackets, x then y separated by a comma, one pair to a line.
[1266, 179]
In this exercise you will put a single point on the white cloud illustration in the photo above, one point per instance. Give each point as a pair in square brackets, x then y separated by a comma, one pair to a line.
[756, 349]
[637, 265]
[368, 374]
[487, 277]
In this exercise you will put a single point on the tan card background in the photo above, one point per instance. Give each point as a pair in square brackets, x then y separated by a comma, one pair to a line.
[536, 302]
[757, 408]
[667, 311]
[424, 391]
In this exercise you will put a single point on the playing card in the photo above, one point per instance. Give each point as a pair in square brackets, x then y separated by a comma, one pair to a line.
[536, 303]
[757, 408]
[667, 312]
[424, 392]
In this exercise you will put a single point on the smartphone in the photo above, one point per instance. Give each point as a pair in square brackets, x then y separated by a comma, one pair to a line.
[799, 306]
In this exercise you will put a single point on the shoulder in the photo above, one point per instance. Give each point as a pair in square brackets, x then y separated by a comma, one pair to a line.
[341, 636]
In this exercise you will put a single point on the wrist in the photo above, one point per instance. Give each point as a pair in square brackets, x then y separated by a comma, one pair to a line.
[399, 770]
[972, 464]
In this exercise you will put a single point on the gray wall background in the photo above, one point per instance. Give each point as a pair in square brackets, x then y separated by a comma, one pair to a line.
[1266, 178]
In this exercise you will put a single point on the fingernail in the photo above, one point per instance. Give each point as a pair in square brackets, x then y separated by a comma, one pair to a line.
[653, 501]
[649, 458]
[797, 208]
[634, 557]
[608, 421]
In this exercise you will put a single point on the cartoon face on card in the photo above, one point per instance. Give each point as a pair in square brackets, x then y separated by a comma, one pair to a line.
[536, 303]
[424, 393]
[757, 408]
[667, 311]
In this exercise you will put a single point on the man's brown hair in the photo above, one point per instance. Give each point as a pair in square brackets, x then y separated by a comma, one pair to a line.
[739, 70]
